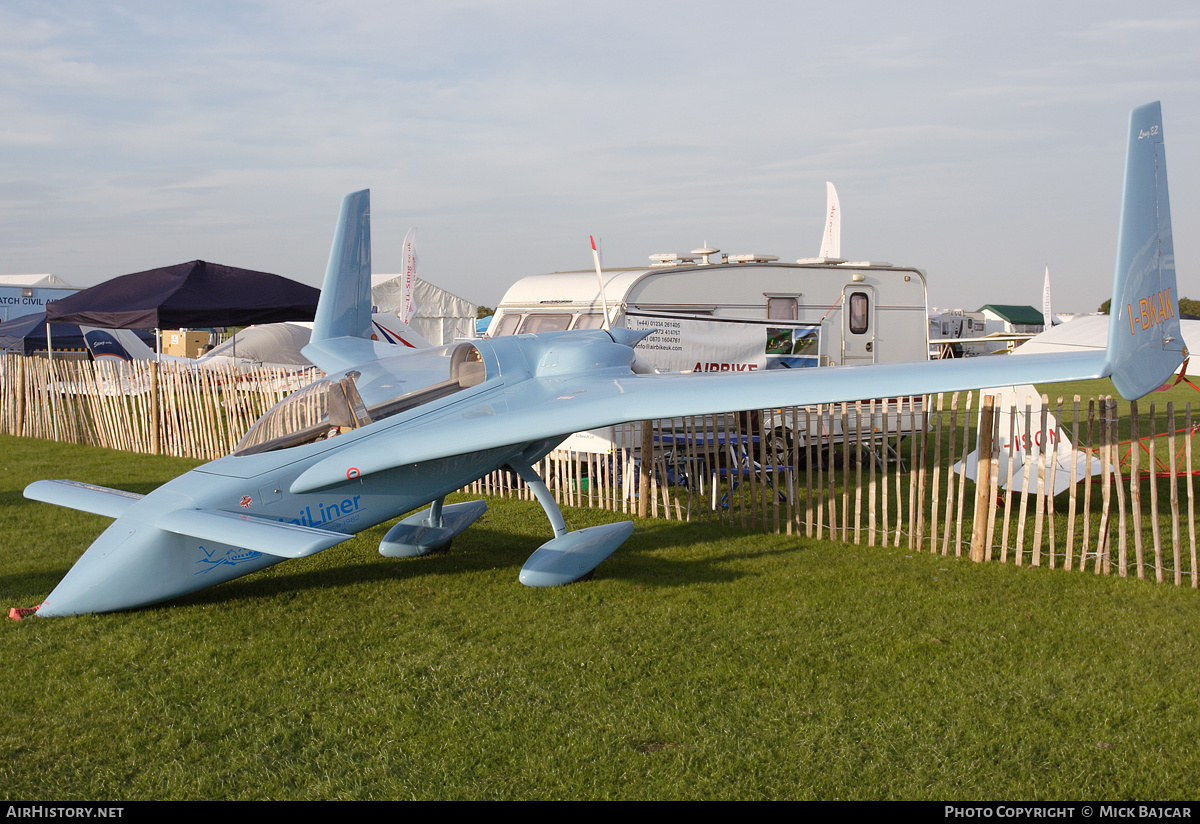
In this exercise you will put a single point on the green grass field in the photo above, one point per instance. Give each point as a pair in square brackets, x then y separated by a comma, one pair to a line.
[701, 662]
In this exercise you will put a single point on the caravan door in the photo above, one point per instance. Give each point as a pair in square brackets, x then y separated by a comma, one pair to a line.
[858, 324]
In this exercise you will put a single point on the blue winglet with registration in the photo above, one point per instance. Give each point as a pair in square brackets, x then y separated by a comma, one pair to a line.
[1144, 339]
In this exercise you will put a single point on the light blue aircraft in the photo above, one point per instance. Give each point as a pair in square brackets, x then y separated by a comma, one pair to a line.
[389, 432]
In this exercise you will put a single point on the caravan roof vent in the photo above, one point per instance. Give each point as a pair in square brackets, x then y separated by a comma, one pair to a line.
[672, 259]
[825, 260]
[752, 258]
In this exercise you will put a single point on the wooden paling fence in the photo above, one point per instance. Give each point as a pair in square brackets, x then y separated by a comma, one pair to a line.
[869, 472]
[138, 407]
[881, 473]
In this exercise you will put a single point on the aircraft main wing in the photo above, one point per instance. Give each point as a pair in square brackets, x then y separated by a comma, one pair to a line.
[545, 408]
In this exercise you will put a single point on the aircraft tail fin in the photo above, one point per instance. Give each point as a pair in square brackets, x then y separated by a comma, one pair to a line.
[831, 238]
[118, 344]
[343, 319]
[1145, 344]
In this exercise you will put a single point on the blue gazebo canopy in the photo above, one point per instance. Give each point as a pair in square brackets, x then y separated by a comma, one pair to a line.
[188, 295]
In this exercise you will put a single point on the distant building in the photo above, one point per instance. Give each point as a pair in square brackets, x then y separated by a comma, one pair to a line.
[22, 295]
[993, 329]
[1012, 320]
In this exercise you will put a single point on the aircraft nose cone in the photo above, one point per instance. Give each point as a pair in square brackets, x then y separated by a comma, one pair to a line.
[133, 564]
[100, 581]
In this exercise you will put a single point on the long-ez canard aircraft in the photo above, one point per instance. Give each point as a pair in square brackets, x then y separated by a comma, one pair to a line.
[387, 433]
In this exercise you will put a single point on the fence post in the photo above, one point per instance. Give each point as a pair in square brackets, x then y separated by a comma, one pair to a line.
[1191, 496]
[1106, 437]
[846, 511]
[983, 476]
[935, 499]
[858, 467]
[647, 449]
[20, 428]
[922, 431]
[1041, 507]
[1155, 531]
[1122, 525]
[962, 479]
[155, 412]
[993, 487]
[1175, 548]
[1071, 500]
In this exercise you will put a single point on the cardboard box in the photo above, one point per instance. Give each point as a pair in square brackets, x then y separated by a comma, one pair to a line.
[184, 343]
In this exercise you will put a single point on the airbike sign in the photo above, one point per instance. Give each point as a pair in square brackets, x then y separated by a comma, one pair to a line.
[701, 345]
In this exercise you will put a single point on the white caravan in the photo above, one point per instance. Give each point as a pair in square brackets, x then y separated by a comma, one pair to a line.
[746, 314]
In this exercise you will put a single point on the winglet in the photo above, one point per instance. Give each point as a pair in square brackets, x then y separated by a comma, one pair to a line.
[343, 317]
[1145, 344]
[630, 337]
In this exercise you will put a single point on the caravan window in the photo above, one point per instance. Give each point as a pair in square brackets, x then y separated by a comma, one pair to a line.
[782, 309]
[511, 322]
[860, 306]
[592, 320]
[546, 322]
[507, 326]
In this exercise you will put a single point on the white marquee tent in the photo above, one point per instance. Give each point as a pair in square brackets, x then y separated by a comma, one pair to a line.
[1091, 332]
[440, 317]
[32, 280]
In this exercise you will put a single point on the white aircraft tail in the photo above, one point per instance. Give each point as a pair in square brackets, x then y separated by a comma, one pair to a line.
[115, 345]
[831, 239]
[390, 328]
[1019, 441]
[344, 309]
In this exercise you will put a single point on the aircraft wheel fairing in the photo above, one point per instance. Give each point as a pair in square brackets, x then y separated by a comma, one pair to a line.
[415, 535]
[574, 556]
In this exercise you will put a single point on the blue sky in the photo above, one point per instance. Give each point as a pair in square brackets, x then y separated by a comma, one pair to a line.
[978, 144]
